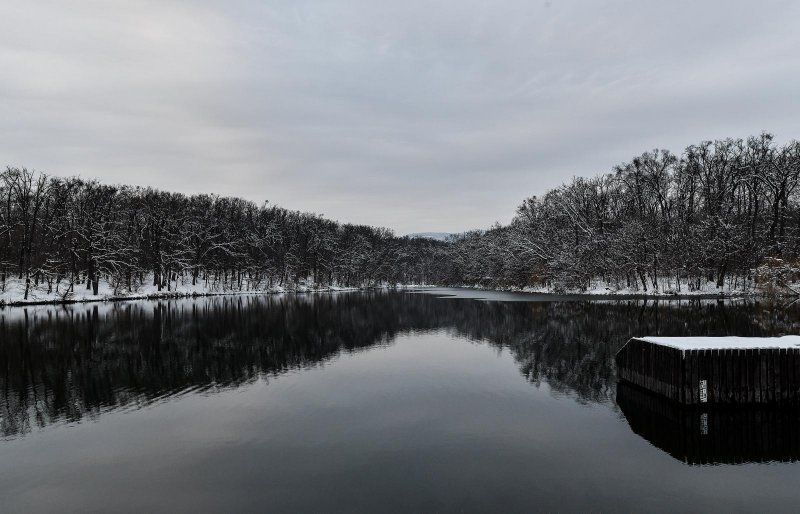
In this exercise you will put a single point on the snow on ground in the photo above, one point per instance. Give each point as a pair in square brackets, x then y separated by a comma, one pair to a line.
[14, 292]
[666, 287]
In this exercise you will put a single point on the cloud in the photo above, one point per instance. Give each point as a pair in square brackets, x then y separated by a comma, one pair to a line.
[419, 116]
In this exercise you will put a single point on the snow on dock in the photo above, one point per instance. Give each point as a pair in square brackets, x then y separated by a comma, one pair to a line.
[726, 342]
[714, 370]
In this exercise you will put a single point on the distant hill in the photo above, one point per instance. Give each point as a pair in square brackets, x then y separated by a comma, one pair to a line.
[439, 236]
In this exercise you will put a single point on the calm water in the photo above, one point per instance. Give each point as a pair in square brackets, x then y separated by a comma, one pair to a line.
[374, 402]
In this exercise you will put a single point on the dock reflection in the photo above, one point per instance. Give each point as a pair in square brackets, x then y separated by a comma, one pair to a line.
[712, 436]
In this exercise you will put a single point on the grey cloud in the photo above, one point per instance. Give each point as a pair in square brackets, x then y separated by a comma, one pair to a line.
[419, 116]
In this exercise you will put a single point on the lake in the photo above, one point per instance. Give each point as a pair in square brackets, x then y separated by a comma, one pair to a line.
[442, 400]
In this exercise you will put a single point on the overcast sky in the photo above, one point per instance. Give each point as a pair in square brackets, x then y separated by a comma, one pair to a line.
[414, 115]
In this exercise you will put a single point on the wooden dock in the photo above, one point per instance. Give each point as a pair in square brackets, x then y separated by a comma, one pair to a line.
[714, 370]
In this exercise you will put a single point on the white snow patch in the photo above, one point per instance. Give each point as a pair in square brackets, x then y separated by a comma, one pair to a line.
[666, 287]
[14, 291]
[725, 342]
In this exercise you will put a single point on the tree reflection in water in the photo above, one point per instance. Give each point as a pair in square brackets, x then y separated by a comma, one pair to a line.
[62, 364]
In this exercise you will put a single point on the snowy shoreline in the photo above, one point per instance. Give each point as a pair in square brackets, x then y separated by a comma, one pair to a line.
[602, 290]
[13, 296]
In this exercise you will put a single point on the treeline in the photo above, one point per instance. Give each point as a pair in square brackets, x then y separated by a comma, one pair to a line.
[68, 233]
[659, 222]
[724, 214]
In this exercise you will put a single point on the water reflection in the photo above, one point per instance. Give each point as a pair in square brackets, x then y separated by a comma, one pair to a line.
[63, 364]
[712, 436]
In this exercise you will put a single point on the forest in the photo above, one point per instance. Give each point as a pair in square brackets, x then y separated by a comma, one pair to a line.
[722, 216]
[63, 234]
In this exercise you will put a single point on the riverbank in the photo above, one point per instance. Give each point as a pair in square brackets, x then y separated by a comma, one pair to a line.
[708, 290]
[14, 292]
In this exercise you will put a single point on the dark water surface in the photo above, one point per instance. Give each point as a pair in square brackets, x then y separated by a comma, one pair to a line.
[374, 402]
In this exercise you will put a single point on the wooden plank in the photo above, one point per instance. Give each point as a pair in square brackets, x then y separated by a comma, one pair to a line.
[723, 381]
[757, 376]
[782, 385]
[654, 367]
[677, 367]
[773, 371]
[776, 374]
[661, 370]
[693, 382]
[651, 366]
[689, 378]
[702, 374]
[754, 378]
[713, 376]
[756, 364]
[763, 357]
[768, 377]
[642, 367]
[666, 371]
[686, 375]
[770, 397]
[723, 375]
[655, 363]
[787, 373]
[715, 388]
[729, 381]
[741, 373]
[775, 357]
[763, 373]
[732, 375]
[742, 394]
[745, 371]
[794, 372]
[707, 374]
[796, 375]
[670, 371]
